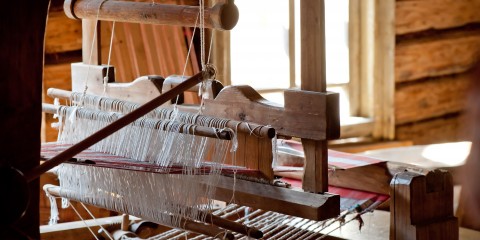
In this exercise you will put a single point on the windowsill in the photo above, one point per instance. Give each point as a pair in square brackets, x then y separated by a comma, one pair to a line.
[355, 127]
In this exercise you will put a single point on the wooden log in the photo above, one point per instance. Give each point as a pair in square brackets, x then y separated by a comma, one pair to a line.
[436, 55]
[421, 15]
[437, 130]
[62, 34]
[422, 206]
[431, 98]
[223, 16]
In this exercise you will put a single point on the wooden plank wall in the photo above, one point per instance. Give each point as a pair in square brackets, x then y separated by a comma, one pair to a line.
[437, 46]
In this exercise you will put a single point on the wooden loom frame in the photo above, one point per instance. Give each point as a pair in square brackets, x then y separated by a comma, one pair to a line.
[323, 105]
[315, 179]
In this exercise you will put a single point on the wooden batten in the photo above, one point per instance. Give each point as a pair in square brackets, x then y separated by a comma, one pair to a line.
[437, 55]
[422, 206]
[431, 98]
[420, 15]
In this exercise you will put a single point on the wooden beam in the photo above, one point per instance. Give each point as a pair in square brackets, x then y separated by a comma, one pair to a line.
[421, 15]
[311, 115]
[384, 69]
[312, 57]
[223, 16]
[431, 98]
[437, 55]
[22, 27]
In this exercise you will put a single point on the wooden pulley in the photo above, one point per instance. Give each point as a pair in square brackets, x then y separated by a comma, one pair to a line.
[222, 16]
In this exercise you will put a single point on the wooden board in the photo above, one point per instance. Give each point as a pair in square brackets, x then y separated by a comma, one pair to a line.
[420, 15]
[296, 203]
[437, 130]
[62, 34]
[436, 55]
[431, 98]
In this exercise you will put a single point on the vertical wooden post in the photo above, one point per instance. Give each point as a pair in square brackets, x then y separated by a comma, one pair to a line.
[421, 206]
[22, 27]
[91, 53]
[312, 30]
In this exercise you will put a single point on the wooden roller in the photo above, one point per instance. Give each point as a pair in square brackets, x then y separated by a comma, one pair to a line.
[240, 126]
[197, 130]
[222, 16]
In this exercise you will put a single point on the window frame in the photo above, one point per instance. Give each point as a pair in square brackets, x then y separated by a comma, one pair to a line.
[371, 58]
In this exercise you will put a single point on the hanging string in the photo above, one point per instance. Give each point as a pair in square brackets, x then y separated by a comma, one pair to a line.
[92, 46]
[210, 47]
[190, 46]
[105, 79]
[202, 33]
[96, 222]
[84, 222]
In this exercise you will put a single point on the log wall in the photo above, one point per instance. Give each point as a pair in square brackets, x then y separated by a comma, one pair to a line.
[437, 46]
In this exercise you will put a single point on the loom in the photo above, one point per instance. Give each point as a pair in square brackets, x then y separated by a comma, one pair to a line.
[310, 114]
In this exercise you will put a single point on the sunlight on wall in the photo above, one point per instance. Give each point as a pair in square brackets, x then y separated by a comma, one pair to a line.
[450, 154]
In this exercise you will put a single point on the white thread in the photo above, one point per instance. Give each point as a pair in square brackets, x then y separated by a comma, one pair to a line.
[106, 78]
[89, 229]
[92, 46]
[54, 215]
[96, 222]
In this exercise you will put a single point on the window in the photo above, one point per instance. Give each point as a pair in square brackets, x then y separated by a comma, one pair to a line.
[265, 54]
